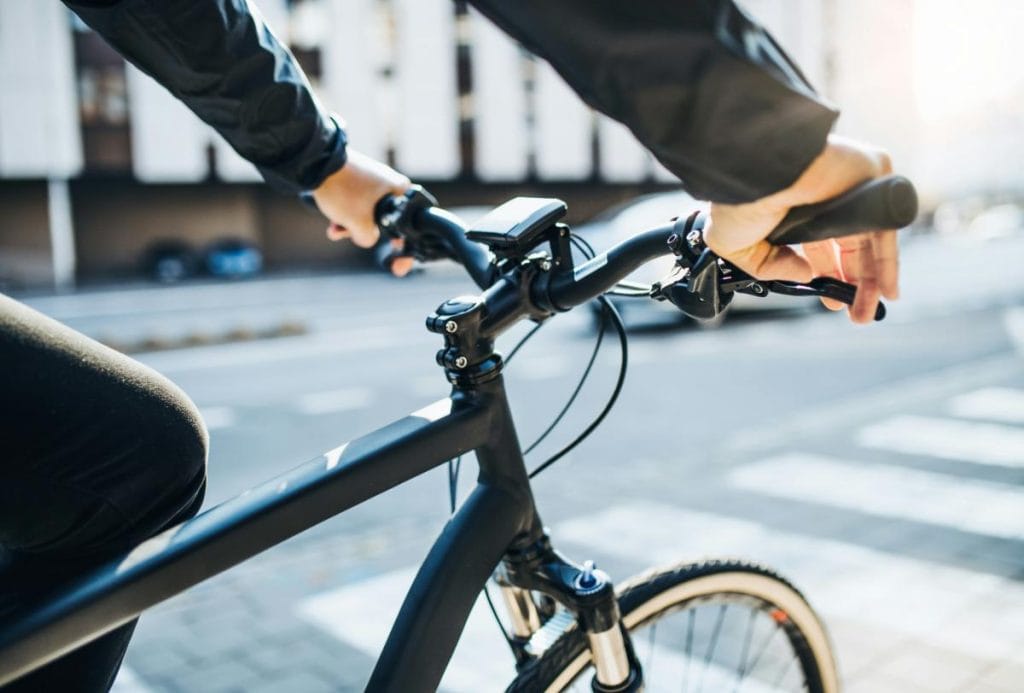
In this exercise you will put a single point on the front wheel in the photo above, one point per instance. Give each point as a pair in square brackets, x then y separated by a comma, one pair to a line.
[709, 626]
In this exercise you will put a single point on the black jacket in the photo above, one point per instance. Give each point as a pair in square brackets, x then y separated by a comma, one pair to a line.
[699, 83]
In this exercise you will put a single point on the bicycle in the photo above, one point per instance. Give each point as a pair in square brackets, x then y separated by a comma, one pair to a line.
[566, 618]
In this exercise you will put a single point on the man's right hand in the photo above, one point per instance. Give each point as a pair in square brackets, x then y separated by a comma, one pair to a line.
[347, 198]
[868, 260]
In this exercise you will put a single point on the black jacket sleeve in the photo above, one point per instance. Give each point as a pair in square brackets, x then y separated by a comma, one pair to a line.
[225, 64]
[706, 89]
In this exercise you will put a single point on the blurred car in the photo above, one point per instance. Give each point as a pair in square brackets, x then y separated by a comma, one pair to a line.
[999, 221]
[233, 258]
[622, 221]
[170, 261]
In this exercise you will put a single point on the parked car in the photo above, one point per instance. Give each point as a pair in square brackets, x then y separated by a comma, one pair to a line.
[170, 261]
[629, 218]
[233, 258]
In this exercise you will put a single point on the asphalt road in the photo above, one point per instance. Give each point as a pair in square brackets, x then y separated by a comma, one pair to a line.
[880, 468]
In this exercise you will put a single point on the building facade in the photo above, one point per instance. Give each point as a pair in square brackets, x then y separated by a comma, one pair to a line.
[98, 162]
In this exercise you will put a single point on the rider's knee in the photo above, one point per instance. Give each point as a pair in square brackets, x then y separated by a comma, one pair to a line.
[171, 463]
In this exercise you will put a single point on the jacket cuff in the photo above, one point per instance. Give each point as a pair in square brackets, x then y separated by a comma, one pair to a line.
[325, 153]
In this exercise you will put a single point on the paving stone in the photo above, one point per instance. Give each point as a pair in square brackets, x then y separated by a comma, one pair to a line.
[222, 675]
[296, 682]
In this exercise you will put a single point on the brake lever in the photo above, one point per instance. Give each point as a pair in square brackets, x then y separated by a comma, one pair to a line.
[823, 287]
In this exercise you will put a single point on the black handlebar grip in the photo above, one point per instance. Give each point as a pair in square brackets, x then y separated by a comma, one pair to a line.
[889, 202]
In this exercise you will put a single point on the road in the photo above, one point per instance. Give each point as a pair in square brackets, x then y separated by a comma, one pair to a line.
[880, 468]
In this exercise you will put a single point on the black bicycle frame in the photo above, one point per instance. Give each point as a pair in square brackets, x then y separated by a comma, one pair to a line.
[497, 516]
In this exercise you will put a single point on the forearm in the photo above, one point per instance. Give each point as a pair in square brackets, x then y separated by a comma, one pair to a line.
[705, 89]
[222, 61]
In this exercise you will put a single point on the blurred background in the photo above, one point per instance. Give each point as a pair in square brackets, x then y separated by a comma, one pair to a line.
[880, 468]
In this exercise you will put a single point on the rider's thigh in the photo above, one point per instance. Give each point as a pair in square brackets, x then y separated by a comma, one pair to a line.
[98, 452]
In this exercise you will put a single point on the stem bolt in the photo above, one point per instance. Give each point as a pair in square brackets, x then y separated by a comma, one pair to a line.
[451, 326]
[461, 362]
[587, 579]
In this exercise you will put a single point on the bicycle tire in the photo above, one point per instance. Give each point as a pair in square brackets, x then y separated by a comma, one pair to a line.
[652, 596]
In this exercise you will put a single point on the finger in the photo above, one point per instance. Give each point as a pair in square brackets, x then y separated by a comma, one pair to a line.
[401, 266]
[336, 232]
[825, 263]
[365, 236]
[859, 268]
[885, 249]
[779, 262]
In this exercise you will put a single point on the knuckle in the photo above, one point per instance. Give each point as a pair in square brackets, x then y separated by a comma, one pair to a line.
[884, 162]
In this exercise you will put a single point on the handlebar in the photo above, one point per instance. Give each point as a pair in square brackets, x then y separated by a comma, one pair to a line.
[889, 202]
[432, 233]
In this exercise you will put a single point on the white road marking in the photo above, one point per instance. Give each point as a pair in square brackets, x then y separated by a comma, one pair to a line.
[992, 403]
[965, 611]
[218, 417]
[346, 399]
[127, 682]
[982, 443]
[279, 349]
[889, 399]
[1013, 320]
[361, 615]
[983, 507]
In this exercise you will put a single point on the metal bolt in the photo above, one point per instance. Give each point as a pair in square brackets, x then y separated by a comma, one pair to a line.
[451, 326]
[587, 579]
[545, 265]
[461, 362]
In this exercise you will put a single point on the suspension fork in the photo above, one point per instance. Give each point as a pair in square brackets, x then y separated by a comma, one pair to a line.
[586, 591]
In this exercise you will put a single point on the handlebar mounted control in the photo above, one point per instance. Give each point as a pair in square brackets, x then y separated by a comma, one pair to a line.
[708, 283]
[395, 217]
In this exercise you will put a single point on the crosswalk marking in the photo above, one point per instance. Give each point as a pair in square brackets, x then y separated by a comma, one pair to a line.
[992, 403]
[983, 507]
[1013, 321]
[345, 399]
[982, 443]
[940, 605]
[361, 615]
[934, 603]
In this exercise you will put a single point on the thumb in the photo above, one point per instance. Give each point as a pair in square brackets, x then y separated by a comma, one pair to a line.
[766, 261]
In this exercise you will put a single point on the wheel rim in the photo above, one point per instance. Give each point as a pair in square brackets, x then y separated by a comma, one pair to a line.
[694, 638]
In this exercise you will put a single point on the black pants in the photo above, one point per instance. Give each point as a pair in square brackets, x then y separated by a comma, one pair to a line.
[97, 453]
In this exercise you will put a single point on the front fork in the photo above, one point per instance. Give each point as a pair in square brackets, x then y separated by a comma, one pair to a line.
[586, 592]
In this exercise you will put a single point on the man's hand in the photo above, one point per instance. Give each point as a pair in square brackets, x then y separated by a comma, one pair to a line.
[347, 198]
[869, 260]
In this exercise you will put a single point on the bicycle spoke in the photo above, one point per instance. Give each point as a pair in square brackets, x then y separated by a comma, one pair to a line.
[650, 645]
[764, 648]
[689, 650]
[782, 674]
[712, 645]
[748, 636]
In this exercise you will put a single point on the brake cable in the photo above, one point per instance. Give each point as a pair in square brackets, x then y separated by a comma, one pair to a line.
[608, 311]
